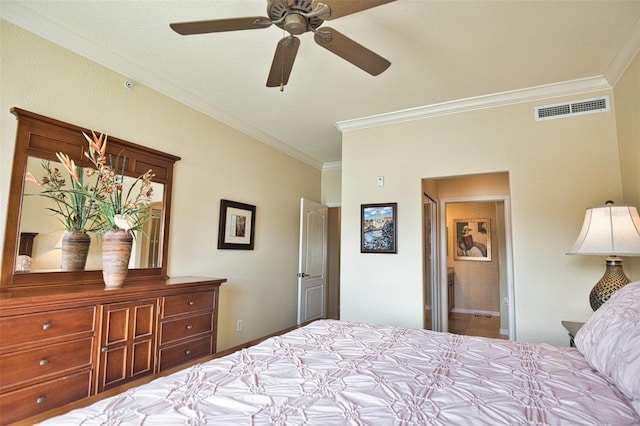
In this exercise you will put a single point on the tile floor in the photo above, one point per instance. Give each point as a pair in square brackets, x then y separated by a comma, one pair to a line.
[475, 325]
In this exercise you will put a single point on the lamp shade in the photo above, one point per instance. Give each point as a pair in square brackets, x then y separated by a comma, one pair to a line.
[609, 230]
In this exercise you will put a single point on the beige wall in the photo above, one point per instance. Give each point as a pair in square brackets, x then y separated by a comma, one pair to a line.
[217, 162]
[627, 103]
[331, 183]
[474, 186]
[556, 169]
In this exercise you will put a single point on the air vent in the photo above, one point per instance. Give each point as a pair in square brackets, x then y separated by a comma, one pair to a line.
[585, 106]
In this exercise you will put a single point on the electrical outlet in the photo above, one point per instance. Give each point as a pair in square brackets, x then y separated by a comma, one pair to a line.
[239, 325]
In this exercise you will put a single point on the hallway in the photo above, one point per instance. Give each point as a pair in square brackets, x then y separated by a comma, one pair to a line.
[475, 325]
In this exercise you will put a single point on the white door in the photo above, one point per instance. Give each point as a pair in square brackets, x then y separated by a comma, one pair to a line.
[312, 264]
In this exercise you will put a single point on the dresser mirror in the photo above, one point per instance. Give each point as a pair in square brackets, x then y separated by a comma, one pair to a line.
[45, 230]
[33, 233]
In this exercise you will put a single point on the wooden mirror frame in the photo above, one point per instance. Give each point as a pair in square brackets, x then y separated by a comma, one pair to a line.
[42, 137]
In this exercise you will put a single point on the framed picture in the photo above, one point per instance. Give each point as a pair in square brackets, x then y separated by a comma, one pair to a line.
[378, 228]
[472, 239]
[237, 225]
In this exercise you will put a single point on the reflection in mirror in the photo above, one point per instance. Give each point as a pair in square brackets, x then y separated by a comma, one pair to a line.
[42, 137]
[41, 229]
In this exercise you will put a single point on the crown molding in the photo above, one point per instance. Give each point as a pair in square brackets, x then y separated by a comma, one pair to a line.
[616, 69]
[335, 165]
[566, 88]
[625, 55]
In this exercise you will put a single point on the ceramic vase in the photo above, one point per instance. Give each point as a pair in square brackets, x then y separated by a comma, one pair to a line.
[75, 249]
[116, 251]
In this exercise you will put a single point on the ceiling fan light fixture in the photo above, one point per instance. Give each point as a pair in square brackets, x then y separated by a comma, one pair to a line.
[295, 24]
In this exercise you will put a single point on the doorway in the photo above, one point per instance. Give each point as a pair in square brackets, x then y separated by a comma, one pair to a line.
[312, 261]
[430, 267]
[475, 268]
[333, 264]
[319, 295]
[478, 291]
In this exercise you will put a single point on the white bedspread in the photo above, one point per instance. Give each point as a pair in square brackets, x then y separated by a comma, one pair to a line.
[342, 373]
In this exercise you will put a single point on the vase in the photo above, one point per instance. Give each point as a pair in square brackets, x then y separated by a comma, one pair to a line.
[116, 251]
[75, 249]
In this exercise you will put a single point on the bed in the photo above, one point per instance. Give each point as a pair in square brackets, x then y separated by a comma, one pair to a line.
[347, 373]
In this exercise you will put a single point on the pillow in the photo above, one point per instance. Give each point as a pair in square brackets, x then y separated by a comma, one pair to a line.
[610, 341]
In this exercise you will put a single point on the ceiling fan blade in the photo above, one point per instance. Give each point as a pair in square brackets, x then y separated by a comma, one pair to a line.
[351, 51]
[341, 8]
[221, 25]
[283, 61]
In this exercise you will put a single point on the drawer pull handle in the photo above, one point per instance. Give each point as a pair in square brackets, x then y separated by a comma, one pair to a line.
[191, 303]
[44, 362]
[187, 352]
[40, 399]
[189, 327]
[105, 349]
[46, 326]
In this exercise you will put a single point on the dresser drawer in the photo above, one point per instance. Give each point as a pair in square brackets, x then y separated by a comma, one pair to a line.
[23, 366]
[188, 302]
[176, 355]
[47, 325]
[45, 396]
[186, 327]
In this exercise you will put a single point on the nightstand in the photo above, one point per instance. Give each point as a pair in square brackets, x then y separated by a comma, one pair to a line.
[572, 327]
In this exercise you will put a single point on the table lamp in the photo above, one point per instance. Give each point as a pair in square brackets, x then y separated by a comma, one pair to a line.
[611, 231]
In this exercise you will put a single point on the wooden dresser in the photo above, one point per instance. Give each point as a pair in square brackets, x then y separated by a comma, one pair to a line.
[60, 344]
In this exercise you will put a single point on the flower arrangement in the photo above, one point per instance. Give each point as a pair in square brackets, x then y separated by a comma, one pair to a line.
[76, 210]
[106, 204]
[116, 206]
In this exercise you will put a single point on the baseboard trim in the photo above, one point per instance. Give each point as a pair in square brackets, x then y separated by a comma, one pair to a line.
[475, 312]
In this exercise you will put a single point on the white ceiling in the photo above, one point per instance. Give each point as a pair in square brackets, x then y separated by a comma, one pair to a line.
[442, 52]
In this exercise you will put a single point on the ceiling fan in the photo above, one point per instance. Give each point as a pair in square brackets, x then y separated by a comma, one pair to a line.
[298, 17]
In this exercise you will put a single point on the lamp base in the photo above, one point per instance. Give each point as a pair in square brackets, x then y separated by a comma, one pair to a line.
[612, 280]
